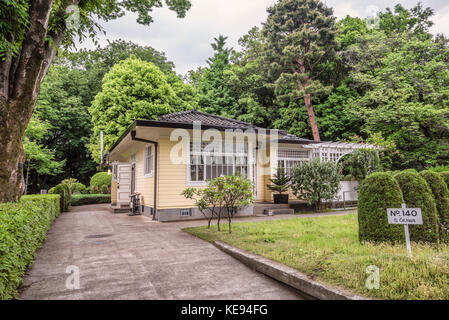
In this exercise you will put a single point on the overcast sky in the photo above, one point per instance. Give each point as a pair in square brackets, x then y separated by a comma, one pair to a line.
[186, 41]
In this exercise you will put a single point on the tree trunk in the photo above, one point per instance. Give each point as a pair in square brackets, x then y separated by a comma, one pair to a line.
[20, 80]
[12, 157]
[312, 119]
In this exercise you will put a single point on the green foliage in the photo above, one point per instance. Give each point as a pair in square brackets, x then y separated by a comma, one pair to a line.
[440, 192]
[300, 45]
[216, 93]
[445, 176]
[377, 193]
[79, 188]
[361, 163]
[23, 228]
[225, 194]
[84, 199]
[39, 158]
[101, 183]
[133, 89]
[280, 182]
[315, 181]
[64, 196]
[417, 194]
[439, 169]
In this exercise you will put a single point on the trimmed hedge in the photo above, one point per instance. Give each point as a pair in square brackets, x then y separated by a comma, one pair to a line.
[378, 192]
[64, 191]
[23, 227]
[417, 194]
[83, 199]
[441, 194]
[445, 176]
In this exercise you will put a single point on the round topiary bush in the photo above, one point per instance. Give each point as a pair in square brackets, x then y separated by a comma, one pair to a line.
[378, 192]
[441, 194]
[417, 194]
[445, 176]
[99, 180]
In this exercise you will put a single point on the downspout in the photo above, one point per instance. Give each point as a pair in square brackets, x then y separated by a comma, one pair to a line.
[156, 144]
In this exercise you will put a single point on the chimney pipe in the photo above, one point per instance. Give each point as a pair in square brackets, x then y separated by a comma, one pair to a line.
[101, 145]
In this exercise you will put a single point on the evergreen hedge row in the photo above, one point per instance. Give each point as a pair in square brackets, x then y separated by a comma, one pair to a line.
[83, 199]
[23, 227]
[417, 194]
[441, 195]
[377, 193]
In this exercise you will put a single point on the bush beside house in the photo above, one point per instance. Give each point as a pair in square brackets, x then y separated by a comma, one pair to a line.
[23, 227]
[441, 194]
[101, 183]
[445, 176]
[417, 194]
[378, 192]
[84, 199]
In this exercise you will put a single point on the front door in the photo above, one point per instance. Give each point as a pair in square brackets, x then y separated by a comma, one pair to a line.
[124, 182]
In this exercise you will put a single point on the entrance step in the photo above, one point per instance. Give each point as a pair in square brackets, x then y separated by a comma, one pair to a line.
[261, 208]
[119, 209]
[273, 212]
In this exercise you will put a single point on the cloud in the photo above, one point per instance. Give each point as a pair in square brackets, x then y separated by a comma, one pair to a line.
[187, 41]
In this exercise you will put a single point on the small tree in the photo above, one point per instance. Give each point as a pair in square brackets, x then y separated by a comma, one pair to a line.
[236, 192]
[208, 201]
[315, 181]
[361, 163]
[280, 182]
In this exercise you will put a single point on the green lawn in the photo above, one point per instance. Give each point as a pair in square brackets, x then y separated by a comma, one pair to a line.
[328, 248]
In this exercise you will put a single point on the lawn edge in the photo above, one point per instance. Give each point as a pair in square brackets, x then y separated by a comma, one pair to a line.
[287, 275]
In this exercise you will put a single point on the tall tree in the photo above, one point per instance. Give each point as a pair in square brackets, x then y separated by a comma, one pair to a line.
[31, 32]
[300, 43]
[132, 90]
[216, 94]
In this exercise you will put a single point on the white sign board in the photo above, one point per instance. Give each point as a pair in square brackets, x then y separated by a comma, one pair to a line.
[405, 216]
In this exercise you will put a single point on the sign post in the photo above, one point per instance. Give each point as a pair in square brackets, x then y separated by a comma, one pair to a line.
[405, 216]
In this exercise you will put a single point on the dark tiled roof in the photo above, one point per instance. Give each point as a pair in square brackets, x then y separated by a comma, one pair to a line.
[290, 138]
[206, 119]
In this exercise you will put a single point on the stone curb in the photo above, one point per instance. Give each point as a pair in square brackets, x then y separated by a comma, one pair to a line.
[287, 275]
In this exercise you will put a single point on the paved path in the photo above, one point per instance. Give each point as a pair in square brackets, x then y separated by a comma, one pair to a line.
[122, 257]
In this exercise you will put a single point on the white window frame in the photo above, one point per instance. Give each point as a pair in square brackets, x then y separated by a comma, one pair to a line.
[148, 156]
[223, 153]
[291, 158]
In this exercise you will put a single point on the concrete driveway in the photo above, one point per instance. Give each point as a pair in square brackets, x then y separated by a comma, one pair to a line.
[122, 257]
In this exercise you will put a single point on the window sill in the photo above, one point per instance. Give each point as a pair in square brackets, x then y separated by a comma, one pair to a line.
[148, 176]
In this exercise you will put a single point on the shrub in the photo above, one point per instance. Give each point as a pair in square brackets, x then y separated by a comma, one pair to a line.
[439, 169]
[445, 176]
[65, 197]
[417, 194]
[361, 163]
[83, 199]
[23, 227]
[100, 183]
[377, 193]
[315, 181]
[441, 194]
[280, 182]
[79, 188]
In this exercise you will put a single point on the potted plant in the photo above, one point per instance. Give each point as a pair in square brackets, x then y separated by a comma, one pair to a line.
[280, 184]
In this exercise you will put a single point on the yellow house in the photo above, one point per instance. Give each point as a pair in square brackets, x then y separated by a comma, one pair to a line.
[159, 159]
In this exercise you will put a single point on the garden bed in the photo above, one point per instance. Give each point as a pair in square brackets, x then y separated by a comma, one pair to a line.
[328, 248]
